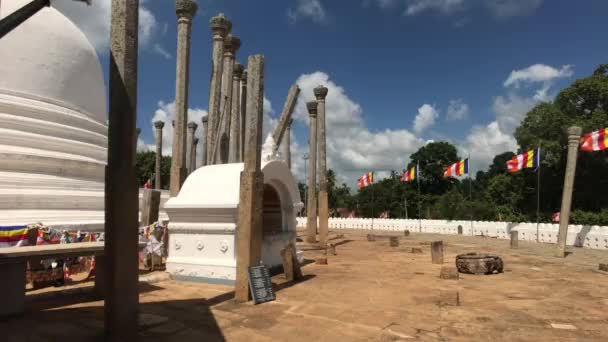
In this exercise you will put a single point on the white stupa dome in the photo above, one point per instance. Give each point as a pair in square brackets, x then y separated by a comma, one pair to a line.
[53, 132]
[51, 50]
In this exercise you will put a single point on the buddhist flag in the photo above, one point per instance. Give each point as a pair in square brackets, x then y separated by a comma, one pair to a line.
[365, 180]
[148, 184]
[595, 141]
[13, 236]
[409, 175]
[530, 159]
[457, 169]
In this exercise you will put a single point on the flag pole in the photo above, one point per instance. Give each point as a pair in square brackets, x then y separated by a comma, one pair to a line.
[470, 194]
[373, 200]
[419, 199]
[538, 196]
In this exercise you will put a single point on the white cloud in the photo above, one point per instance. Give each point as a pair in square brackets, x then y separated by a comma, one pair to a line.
[427, 114]
[310, 9]
[414, 7]
[512, 8]
[537, 73]
[166, 112]
[457, 110]
[484, 142]
[352, 148]
[94, 21]
[161, 51]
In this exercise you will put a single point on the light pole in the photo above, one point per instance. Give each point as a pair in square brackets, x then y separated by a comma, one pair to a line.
[305, 157]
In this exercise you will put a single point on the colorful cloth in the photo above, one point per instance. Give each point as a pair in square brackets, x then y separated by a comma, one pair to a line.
[410, 174]
[530, 159]
[13, 236]
[595, 141]
[457, 169]
[365, 180]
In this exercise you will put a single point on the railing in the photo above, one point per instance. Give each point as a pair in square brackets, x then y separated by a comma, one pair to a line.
[594, 237]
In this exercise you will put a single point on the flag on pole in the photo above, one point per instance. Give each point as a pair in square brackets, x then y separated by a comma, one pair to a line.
[410, 174]
[595, 141]
[457, 169]
[148, 184]
[555, 217]
[13, 236]
[365, 180]
[530, 159]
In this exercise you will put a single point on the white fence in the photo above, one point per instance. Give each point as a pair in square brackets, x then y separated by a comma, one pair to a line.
[594, 237]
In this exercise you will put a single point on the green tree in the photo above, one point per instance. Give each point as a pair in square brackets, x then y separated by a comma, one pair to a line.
[432, 159]
[145, 163]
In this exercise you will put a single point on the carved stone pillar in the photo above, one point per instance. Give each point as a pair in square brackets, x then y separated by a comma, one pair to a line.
[158, 125]
[286, 143]
[311, 224]
[574, 137]
[320, 93]
[185, 10]
[243, 112]
[220, 26]
[234, 155]
[205, 121]
[192, 126]
[231, 45]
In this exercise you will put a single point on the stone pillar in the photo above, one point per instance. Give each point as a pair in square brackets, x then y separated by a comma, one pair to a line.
[205, 121]
[311, 210]
[234, 155]
[243, 112]
[192, 126]
[320, 93]
[231, 45]
[249, 234]
[574, 137]
[121, 190]
[220, 26]
[158, 126]
[185, 10]
[286, 144]
[193, 155]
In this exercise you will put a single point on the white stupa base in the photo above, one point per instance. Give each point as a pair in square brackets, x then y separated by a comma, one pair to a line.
[204, 215]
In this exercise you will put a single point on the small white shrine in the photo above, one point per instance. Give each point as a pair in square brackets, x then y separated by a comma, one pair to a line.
[203, 221]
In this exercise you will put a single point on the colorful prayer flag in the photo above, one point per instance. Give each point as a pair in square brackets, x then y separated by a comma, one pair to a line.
[595, 141]
[409, 175]
[530, 159]
[365, 180]
[12, 236]
[457, 169]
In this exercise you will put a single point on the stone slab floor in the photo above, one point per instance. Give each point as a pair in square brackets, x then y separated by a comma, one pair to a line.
[369, 291]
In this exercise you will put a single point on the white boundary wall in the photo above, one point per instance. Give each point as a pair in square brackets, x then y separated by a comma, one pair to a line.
[594, 237]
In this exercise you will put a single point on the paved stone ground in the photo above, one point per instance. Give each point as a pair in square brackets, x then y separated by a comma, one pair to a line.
[368, 292]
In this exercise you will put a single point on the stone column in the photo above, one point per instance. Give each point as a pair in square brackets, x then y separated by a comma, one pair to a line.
[231, 45]
[320, 93]
[286, 143]
[121, 190]
[311, 210]
[220, 26]
[234, 155]
[205, 121]
[574, 137]
[249, 234]
[192, 126]
[158, 125]
[185, 10]
[243, 112]
[193, 155]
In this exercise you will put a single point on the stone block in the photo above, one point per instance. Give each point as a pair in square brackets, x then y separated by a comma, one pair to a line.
[331, 249]
[603, 267]
[321, 261]
[371, 237]
[416, 250]
[449, 272]
[406, 233]
[394, 241]
[437, 252]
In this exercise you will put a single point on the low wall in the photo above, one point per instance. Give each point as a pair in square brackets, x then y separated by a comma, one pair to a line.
[594, 237]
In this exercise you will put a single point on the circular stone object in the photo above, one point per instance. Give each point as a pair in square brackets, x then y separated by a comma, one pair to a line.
[475, 263]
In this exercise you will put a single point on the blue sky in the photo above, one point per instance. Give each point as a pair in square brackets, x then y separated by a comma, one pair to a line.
[400, 72]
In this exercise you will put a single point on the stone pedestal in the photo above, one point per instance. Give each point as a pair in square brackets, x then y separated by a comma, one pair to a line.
[320, 93]
[574, 137]
[311, 209]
